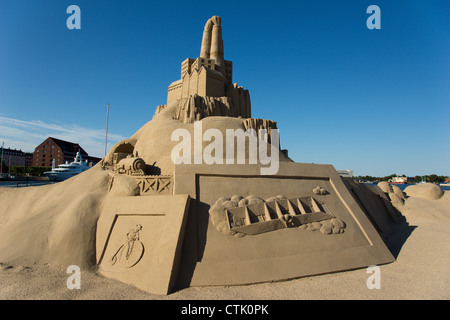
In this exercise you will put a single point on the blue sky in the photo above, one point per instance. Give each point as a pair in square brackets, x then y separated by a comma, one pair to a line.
[375, 101]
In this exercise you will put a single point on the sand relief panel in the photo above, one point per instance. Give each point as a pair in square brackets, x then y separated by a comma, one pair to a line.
[250, 208]
[139, 240]
[130, 243]
[305, 204]
[300, 222]
[251, 215]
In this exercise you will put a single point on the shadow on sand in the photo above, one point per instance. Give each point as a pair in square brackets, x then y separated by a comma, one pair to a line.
[400, 232]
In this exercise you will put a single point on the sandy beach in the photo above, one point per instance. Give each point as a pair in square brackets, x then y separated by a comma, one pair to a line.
[421, 271]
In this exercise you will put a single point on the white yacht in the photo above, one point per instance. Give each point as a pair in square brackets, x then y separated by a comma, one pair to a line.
[67, 170]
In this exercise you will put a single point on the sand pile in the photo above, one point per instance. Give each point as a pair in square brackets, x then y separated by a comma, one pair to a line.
[52, 224]
[428, 191]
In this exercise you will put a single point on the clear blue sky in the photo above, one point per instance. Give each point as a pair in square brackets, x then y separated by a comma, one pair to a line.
[375, 101]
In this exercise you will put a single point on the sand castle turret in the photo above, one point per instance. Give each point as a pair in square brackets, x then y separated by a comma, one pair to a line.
[209, 76]
[212, 43]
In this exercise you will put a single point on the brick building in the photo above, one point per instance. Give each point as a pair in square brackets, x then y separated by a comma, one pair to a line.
[16, 157]
[60, 151]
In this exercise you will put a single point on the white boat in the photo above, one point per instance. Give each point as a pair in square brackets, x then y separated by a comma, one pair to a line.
[67, 170]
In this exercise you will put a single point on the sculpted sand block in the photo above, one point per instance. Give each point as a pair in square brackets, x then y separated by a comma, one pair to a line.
[330, 233]
[139, 240]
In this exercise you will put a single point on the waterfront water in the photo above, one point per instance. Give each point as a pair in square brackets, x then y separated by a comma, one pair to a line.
[404, 186]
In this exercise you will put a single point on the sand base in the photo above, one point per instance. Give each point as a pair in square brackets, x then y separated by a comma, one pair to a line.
[422, 271]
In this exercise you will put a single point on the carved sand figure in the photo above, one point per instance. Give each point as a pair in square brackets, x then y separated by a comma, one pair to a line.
[256, 216]
[134, 249]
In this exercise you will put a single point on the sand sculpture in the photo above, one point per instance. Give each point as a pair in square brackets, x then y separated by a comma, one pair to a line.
[143, 220]
[428, 191]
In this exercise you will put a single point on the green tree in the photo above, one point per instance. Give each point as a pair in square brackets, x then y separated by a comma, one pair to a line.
[388, 177]
[434, 178]
[4, 167]
[16, 170]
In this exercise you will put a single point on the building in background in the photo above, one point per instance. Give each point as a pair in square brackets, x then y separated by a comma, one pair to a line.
[345, 173]
[60, 151]
[14, 157]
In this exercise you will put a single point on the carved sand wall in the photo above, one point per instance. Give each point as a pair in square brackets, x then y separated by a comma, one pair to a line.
[251, 215]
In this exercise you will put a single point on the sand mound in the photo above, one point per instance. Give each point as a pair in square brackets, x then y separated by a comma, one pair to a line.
[153, 141]
[52, 224]
[427, 191]
[385, 187]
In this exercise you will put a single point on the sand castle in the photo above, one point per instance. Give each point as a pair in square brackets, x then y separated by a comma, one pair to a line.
[142, 219]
